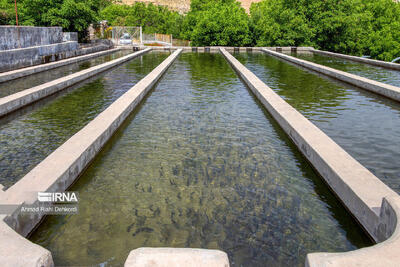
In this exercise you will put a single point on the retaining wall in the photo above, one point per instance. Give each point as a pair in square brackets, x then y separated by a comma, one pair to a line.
[18, 100]
[372, 203]
[22, 46]
[62, 167]
[13, 37]
[70, 36]
[383, 89]
[24, 57]
[15, 74]
[379, 63]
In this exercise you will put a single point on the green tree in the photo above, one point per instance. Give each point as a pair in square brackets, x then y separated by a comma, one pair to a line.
[382, 34]
[153, 19]
[218, 22]
[281, 23]
[7, 14]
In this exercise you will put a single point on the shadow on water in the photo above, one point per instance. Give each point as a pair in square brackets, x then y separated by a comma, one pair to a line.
[372, 72]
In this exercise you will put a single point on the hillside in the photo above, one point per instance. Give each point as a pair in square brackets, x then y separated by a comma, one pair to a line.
[183, 5]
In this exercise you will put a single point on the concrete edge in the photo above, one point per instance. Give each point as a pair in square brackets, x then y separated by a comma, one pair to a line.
[18, 100]
[216, 48]
[62, 167]
[372, 203]
[20, 252]
[15, 74]
[176, 257]
[385, 254]
[383, 89]
[379, 63]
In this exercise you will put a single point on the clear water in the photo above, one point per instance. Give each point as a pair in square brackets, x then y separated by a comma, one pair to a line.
[372, 72]
[366, 125]
[27, 139]
[200, 164]
[17, 85]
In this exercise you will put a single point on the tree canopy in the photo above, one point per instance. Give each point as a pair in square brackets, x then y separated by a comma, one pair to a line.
[359, 27]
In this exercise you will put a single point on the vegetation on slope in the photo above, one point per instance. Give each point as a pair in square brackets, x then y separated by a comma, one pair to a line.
[358, 27]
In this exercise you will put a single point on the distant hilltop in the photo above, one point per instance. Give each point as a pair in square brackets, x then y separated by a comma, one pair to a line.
[183, 5]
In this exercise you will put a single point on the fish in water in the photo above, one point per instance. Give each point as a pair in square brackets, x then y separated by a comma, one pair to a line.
[143, 229]
[128, 229]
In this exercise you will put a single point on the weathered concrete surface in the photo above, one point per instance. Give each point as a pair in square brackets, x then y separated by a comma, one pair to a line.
[371, 202]
[385, 254]
[176, 257]
[32, 56]
[62, 167]
[13, 37]
[70, 36]
[24, 57]
[15, 74]
[16, 251]
[26, 46]
[386, 90]
[379, 63]
[18, 100]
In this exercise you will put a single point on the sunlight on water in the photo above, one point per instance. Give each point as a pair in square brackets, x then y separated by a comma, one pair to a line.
[201, 164]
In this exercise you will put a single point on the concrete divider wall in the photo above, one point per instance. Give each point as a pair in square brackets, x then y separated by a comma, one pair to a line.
[18, 100]
[15, 74]
[372, 203]
[375, 62]
[386, 90]
[24, 57]
[62, 167]
[176, 257]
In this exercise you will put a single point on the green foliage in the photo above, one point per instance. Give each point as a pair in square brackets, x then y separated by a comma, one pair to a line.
[153, 19]
[359, 27]
[72, 15]
[217, 22]
[7, 13]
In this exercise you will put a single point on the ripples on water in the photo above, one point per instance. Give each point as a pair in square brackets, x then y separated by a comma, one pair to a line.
[202, 165]
[366, 125]
[29, 138]
[372, 72]
[17, 85]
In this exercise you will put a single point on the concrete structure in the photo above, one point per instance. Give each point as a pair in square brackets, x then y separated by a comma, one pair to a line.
[386, 90]
[202, 49]
[176, 257]
[18, 251]
[70, 36]
[373, 204]
[18, 100]
[15, 74]
[12, 37]
[24, 57]
[378, 63]
[60, 169]
[28, 46]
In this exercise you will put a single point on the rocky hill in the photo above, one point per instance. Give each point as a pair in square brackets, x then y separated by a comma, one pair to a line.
[183, 5]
